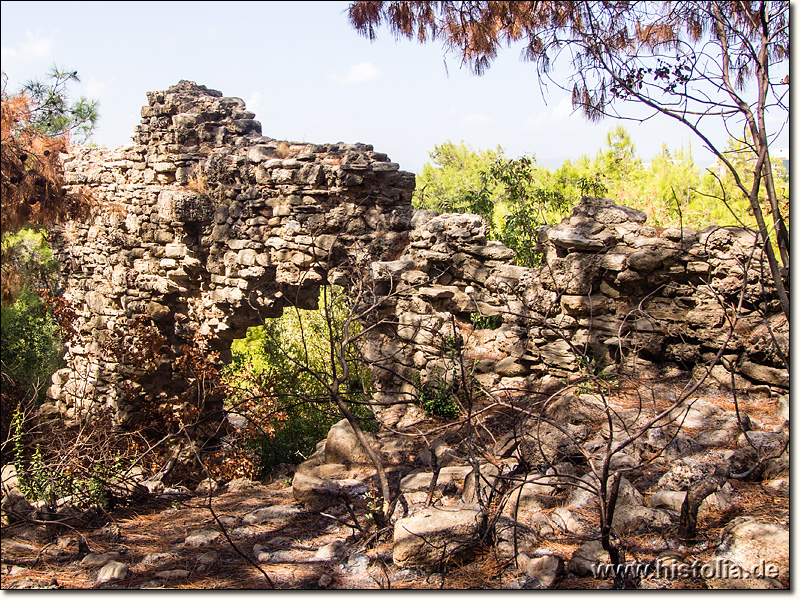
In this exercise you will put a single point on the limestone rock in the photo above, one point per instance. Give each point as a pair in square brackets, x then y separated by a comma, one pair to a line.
[206, 487]
[280, 513]
[98, 559]
[450, 481]
[747, 542]
[586, 558]
[14, 506]
[334, 551]
[314, 493]
[158, 559]
[202, 538]
[585, 495]
[112, 571]
[240, 484]
[173, 574]
[342, 445]
[543, 571]
[635, 520]
[435, 534]
[765, 374]
[8, 477]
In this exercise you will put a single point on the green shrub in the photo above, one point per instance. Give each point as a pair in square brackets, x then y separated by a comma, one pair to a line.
[49, 474]
[436, 396]
[31, 345]
[31, 348]
[282, 373]
[437, 400]
[480, 321]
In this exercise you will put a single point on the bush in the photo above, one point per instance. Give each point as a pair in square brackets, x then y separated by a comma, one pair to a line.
[280, 373]
[89, 464]
[31, 346]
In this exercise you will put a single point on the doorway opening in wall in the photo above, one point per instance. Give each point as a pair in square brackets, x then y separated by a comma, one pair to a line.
[284, 377]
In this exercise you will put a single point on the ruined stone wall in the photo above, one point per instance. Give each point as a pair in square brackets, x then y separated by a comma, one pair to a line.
[205, 227]
[613, 295]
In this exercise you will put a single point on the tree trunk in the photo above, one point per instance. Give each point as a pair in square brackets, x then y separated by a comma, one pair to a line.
[687, 530]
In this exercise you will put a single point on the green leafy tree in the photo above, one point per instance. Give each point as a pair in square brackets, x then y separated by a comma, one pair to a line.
[530, 197]
[53, 113]
[454, 180]
[280, 371]
[514, 196]
[618, 162]
[581, 178]
[31, 348]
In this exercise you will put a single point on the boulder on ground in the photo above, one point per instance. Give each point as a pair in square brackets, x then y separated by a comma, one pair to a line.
[748, 542]
[202, 538]
[14, 506]
[542, 571]
[112, 571]
[585, 559]
[636, 520]
[434, 535]
[342, 445]
[314, 493]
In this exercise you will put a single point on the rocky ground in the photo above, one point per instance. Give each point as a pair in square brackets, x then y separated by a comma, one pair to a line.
[255, 535]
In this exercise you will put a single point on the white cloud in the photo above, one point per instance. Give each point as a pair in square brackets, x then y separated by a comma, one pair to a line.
[360, 73]
[94, 87]
[476, 119]
[561, 111]
[34, 46]
[253, 101]
[564, 108]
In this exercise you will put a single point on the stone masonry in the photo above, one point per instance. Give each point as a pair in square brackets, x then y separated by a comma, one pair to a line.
[205, 228]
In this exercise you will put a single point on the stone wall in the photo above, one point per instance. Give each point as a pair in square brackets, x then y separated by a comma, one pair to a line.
[613, 295]
[205, 227]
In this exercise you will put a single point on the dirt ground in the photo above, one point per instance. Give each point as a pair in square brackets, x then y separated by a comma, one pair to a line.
[158, 542]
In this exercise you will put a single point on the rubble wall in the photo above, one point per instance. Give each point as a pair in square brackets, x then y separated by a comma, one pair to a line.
[205, 227]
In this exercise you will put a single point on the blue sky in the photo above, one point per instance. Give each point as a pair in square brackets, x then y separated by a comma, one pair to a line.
[308, 76]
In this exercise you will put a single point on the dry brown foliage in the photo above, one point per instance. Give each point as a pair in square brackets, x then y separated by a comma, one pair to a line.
[32, 172]
[198, 182]
[283, 150]
[31, 181]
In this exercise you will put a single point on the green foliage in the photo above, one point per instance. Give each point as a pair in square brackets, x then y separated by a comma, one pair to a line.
[39, 479]
[517, 196]
[529, 198]
[521, 227]
[480, 321]
[31, 345]
[55, 114]
[27, 260]
[283, 371]
[514, 196]
[436, 397]
[451, 182]
[673, 191]
[618, 161]
[295, 433]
